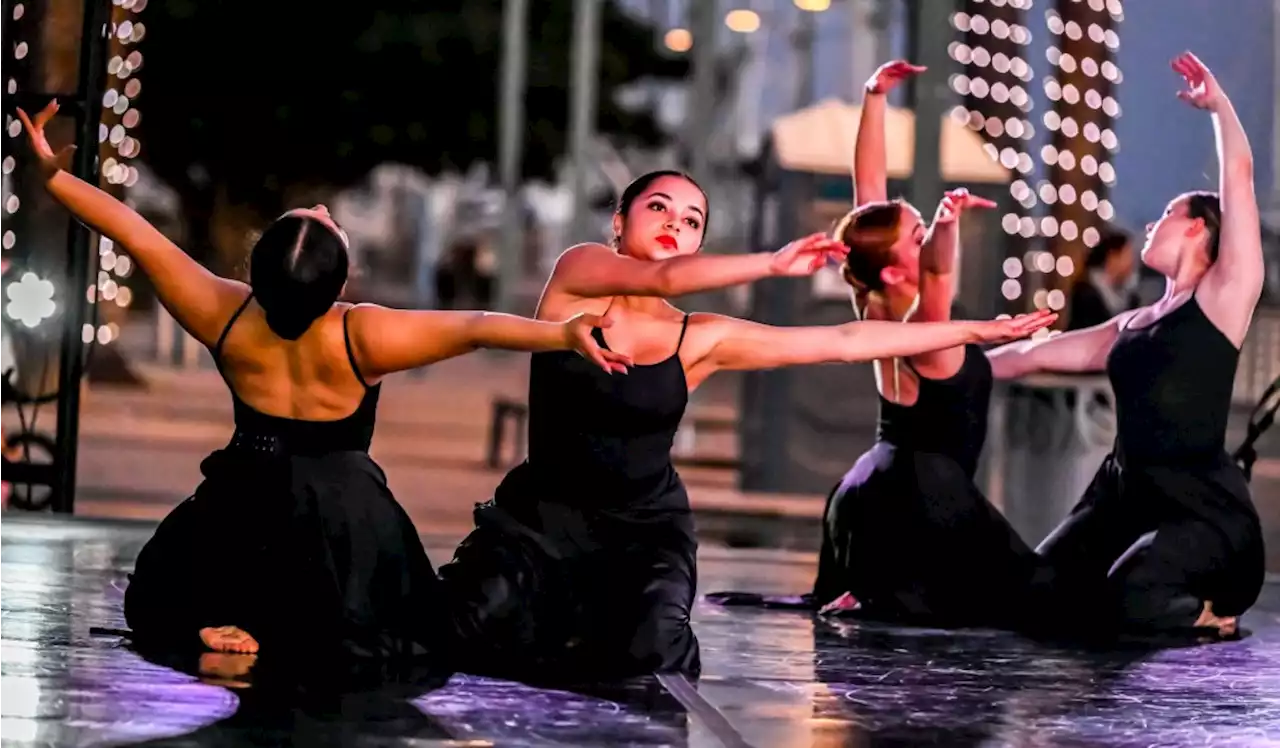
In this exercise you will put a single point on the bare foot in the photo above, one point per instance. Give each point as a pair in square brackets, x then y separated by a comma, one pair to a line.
[842, 603]
[227, 670]
[228, 639]
[1225, 626]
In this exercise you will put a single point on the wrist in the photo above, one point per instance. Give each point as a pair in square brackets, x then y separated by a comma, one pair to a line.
[873, 88]
[49, 169]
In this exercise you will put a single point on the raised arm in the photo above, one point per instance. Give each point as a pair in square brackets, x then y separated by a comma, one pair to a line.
[938, 260]
[742, 345]
[870, 164]
[596, 271]
[199, 300]
[1230, 290]
[389, 340]
[1078, 351]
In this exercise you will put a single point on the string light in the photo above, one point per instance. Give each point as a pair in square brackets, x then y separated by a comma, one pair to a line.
[119, 148]
[1068, 205]
[678, 40]
[30, 299]
[1079, 84]
[742, 21]
[995, 71]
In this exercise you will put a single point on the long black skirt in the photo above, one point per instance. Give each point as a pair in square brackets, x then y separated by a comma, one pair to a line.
[309, 555]
[543, 589]
[1147, 546]
[911, 537]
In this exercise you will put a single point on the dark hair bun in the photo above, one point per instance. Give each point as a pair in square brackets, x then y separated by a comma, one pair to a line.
[297, 270]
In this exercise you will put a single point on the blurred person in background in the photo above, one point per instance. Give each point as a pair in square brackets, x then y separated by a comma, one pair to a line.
[1110, 284]
[465, 275]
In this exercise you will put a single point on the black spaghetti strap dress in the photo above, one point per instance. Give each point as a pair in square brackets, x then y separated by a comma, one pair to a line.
[1168, 522]
[583, 565]
[293, 536]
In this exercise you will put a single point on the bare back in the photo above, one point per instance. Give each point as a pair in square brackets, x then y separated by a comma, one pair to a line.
[312, 378]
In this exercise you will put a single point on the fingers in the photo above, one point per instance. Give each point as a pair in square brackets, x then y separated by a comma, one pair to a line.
[616, 362]
[26, 121]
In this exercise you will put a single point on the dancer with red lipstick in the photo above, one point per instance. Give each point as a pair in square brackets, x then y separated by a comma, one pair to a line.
[583, 564]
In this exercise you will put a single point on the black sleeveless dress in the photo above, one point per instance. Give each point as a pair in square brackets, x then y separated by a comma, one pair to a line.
[907, 532]
[1167, 522]
[294, 537]
[583, 565]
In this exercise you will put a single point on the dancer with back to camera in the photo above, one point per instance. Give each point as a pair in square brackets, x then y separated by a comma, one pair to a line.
[1167, 537]
[915, 487]
[293, 541]
[584, 562]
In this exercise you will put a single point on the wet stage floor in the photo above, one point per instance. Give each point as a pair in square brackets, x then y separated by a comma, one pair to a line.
[773, 679]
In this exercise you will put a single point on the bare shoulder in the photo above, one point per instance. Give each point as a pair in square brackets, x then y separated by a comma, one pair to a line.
[705, 331]
[581, 252]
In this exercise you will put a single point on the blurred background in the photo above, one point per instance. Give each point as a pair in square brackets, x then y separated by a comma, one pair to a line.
[464, 145]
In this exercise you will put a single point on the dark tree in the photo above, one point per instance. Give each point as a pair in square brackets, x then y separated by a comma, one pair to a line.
[247, 102]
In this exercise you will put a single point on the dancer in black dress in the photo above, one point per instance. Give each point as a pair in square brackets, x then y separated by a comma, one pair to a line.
[293, 540]
[1166, 536]
[583, 565]
[915, 487]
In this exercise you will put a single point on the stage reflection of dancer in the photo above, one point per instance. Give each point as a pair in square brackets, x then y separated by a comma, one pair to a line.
[584, 562]
[293, 540]
[1166, 536]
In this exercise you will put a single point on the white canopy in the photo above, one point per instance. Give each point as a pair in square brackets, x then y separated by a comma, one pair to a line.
[820, 140]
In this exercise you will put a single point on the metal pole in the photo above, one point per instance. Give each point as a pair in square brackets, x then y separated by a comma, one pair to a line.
[515, 63]
[582, 107]
[704, 23]
[930, 34]
[71, 366]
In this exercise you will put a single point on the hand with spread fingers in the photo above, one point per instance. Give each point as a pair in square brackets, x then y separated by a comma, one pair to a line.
[807, 256]
[51, 163]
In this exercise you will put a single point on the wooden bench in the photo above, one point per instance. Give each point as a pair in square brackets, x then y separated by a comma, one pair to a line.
[510, 413]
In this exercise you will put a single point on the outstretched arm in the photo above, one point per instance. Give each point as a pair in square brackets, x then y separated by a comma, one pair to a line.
[1230, 290]
[389, 340]
[593, 271]
[870, 163]
[938, 261]
[743, 345]
[1078, 351]
[199, 300]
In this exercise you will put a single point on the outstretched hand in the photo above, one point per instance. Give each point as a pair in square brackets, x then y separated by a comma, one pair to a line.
[577, 330]
[956, 202]
[807, 256]
[50, 162]
[1202, 91]
[1015, 328]
[890, 74]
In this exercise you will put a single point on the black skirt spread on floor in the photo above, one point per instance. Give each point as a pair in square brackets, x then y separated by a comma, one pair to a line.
[1167, 522]
[293, 536]
[583, 564]
[909, 535]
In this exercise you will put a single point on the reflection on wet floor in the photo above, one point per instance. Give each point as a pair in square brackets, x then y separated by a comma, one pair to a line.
[772, 678]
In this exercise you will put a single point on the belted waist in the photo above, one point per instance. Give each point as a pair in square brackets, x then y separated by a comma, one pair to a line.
[282, 445]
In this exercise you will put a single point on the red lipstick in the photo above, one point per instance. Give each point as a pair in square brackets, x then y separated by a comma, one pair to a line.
[669, 242]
